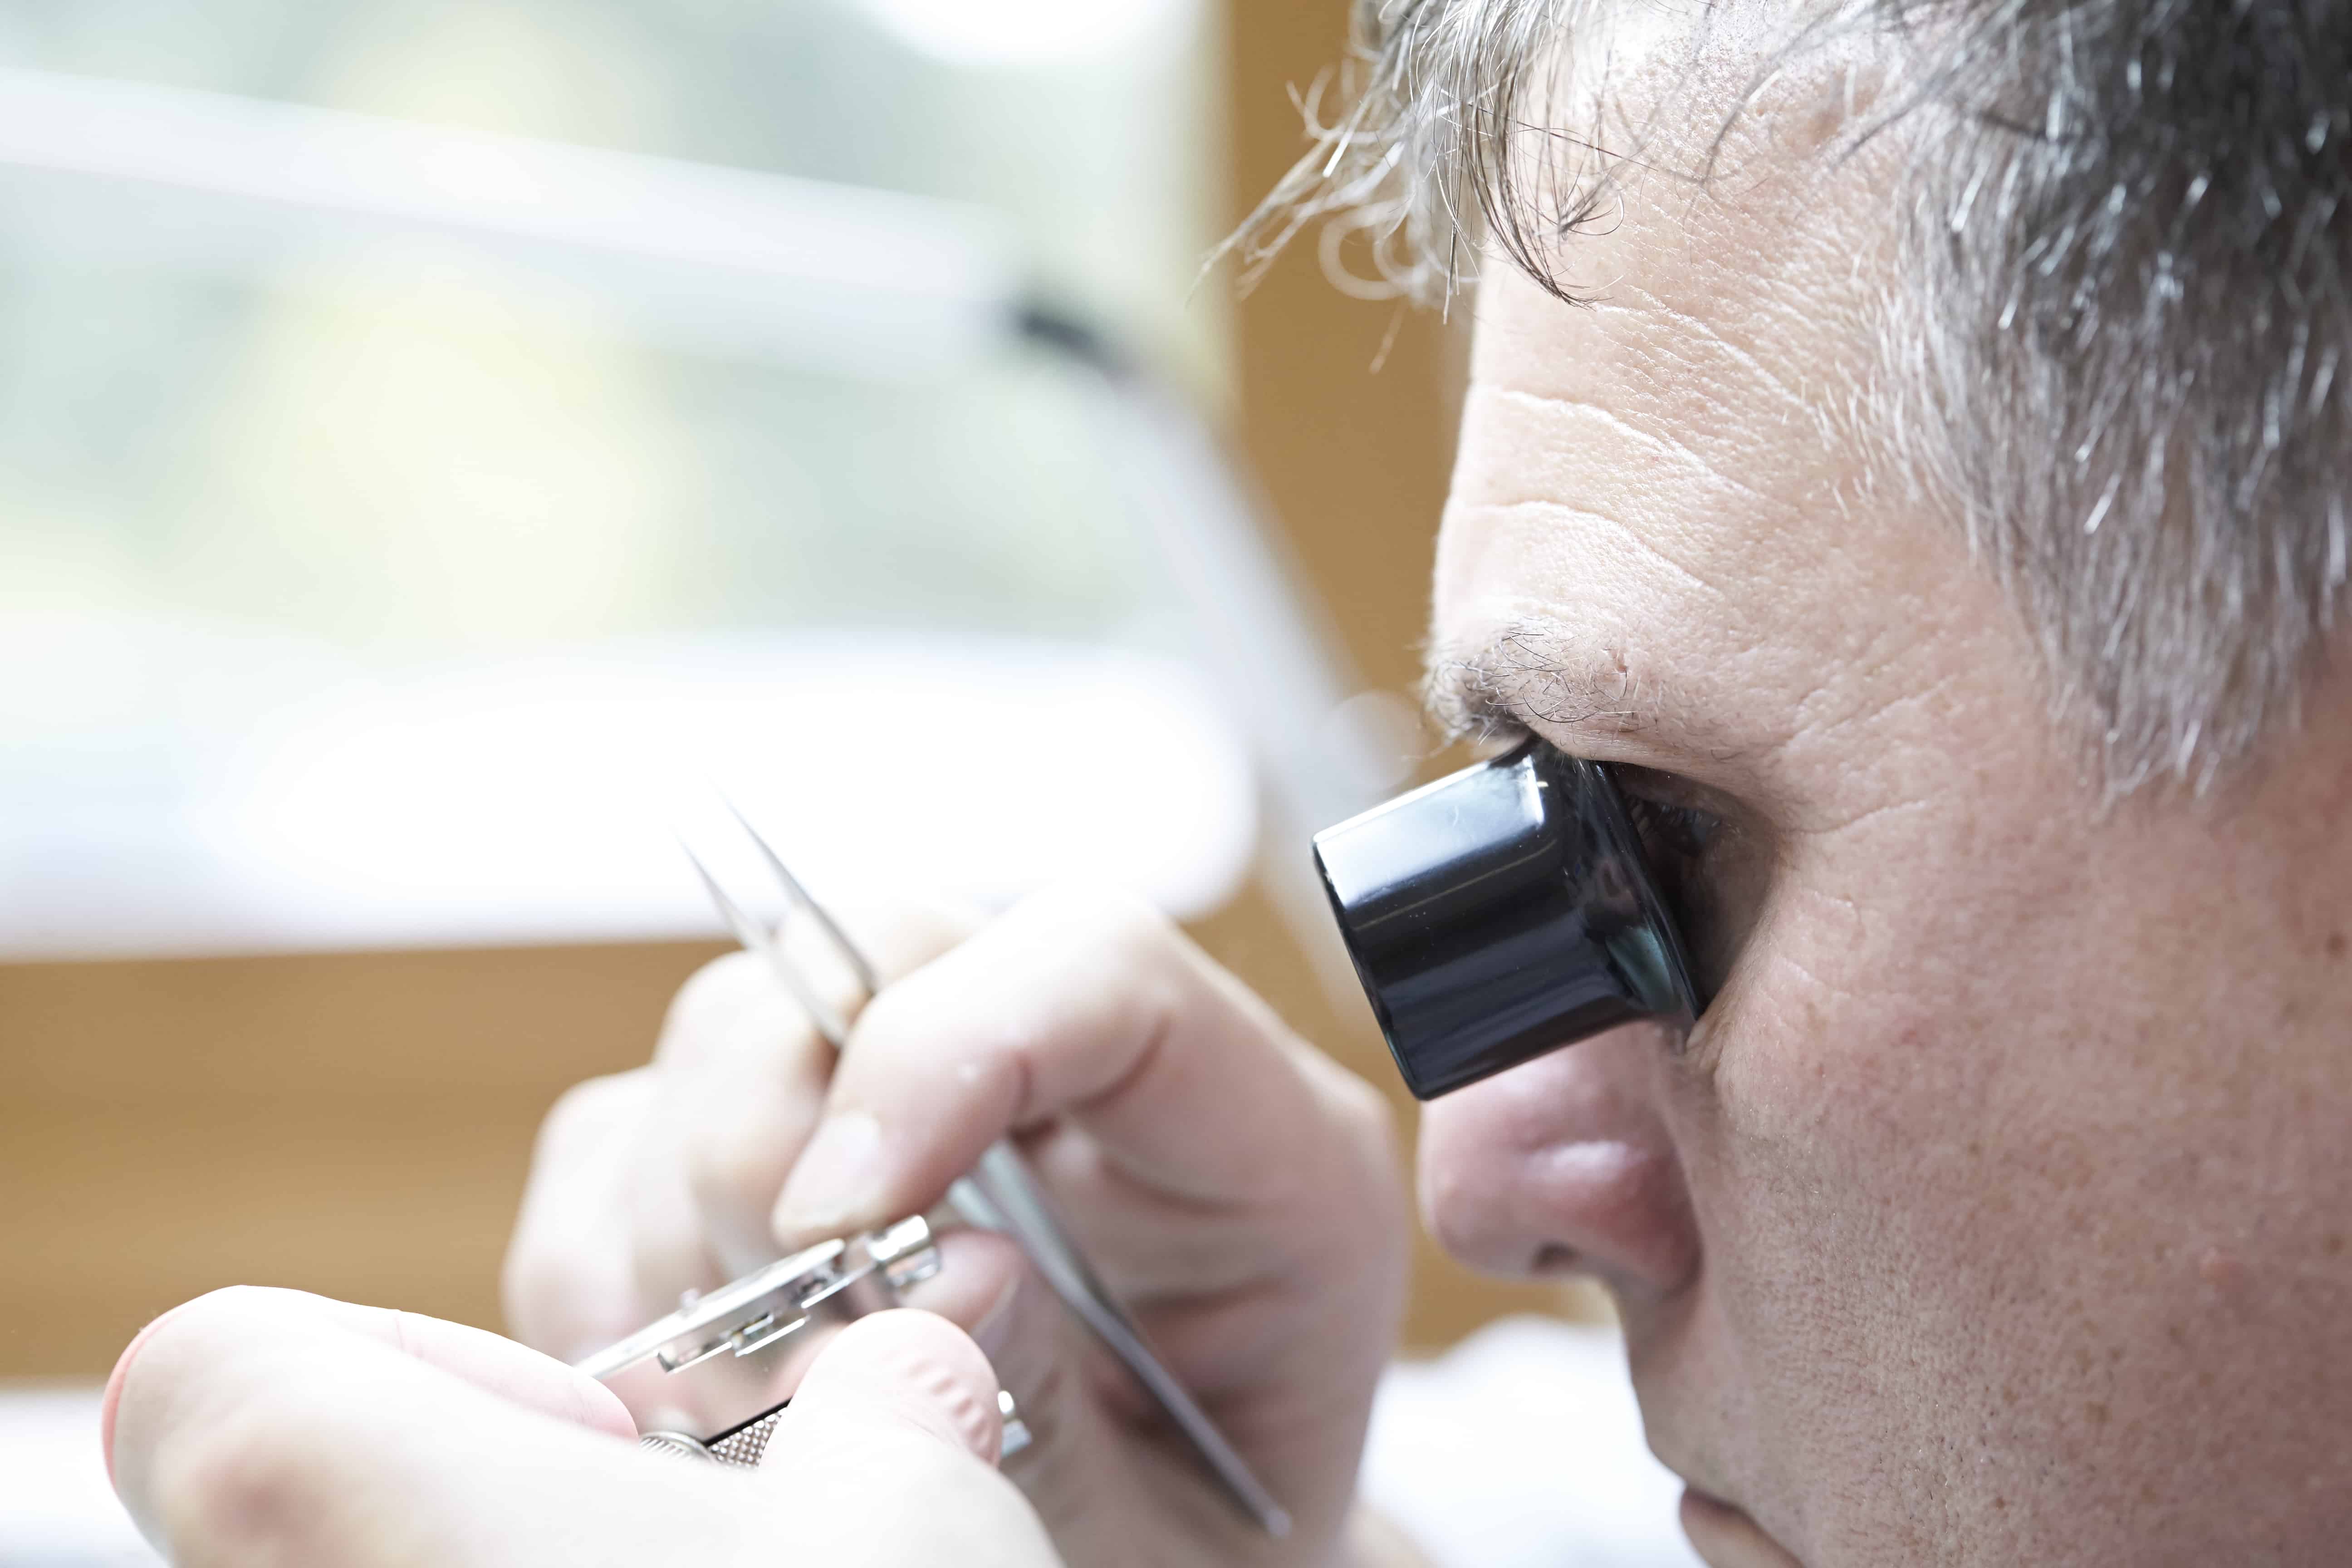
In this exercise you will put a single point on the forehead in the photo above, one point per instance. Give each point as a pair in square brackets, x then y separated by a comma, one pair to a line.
[1681, 493]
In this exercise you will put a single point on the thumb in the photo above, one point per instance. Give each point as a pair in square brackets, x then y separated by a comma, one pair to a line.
[270, 1426]
[905, 1369]
[211, 1332]
[895, 1427]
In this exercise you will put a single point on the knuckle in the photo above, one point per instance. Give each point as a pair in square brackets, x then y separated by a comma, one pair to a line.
[582, 1110]
[886, 1016]
[579, 1133]
[902, 935]
[1101, 920]
[712, 995]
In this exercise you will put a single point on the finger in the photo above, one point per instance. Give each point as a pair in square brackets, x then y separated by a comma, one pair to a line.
[213, 1398]
[902, 1368]
[742, 1103]
[745, 1075]
[1151, 1243]
[980, 1273]
[656, 1181]
[897, 937]
[733, 1043]
[489, 1362]
[1078, 1004]
[268, 1427]
[986, 1287]
[887, 1453]
[567, 1284]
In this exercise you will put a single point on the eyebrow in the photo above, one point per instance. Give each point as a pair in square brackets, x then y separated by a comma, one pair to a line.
[1532, 673]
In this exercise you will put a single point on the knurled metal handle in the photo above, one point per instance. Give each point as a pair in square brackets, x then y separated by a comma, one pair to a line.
[746, 1446]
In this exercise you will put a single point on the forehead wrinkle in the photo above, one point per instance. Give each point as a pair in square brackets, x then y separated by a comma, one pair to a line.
[1644, 547]
[1683, 336]
[1564, 404]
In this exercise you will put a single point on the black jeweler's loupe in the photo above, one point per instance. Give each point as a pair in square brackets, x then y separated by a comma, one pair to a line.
[1500, 914]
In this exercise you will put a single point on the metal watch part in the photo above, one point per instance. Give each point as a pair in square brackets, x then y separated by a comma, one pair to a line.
[1017, 1431]
[746, 1446]
[709, 1378]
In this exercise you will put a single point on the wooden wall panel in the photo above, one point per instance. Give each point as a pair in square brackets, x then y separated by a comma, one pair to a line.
[354, 1124]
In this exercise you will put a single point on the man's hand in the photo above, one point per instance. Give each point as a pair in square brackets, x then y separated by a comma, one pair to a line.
[267, 1427]
[1232, 1185]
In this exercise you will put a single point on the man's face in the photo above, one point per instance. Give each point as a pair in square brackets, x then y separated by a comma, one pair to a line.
[1999, 1209]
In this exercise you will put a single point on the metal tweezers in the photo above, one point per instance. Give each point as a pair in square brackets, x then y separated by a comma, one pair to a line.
[999, 1193]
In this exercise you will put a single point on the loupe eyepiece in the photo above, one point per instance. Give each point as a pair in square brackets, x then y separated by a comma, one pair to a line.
[1501, 913]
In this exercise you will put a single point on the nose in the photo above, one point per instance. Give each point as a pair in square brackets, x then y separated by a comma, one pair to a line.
[1562, 1165]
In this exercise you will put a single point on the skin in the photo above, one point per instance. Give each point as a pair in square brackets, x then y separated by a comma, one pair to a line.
[1232, 1185]
[256, 1428]
[1996, 1212]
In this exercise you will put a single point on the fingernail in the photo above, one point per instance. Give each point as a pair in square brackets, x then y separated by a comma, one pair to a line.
[833, 1186]
[995, 1325]
[112, 1399]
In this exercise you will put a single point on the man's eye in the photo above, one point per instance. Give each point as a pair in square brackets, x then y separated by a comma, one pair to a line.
[1670, 833]
[1682, 846]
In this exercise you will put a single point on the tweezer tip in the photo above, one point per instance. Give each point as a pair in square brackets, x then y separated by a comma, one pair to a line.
[859, 965]
[737, 920]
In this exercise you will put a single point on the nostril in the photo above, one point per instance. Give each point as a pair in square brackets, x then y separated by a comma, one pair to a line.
[1553, 1258]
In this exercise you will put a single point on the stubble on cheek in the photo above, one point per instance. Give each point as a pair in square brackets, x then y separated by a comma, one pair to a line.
[2013, 1248]
[1842, 1125]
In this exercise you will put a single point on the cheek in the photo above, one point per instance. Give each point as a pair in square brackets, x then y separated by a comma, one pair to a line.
[1835, 1139]
[1854, 1102]
[1910, 1004]
[1825, 1081]
[1986, 1188]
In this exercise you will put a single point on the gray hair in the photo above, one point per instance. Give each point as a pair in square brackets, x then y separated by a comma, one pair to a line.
[2122, 326]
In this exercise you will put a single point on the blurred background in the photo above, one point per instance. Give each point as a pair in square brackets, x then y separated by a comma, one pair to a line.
[432, 430]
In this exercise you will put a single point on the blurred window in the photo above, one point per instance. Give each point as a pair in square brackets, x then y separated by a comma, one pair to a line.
[385, 520]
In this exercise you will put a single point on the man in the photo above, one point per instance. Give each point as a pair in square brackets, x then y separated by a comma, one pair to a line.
[1909, 446]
